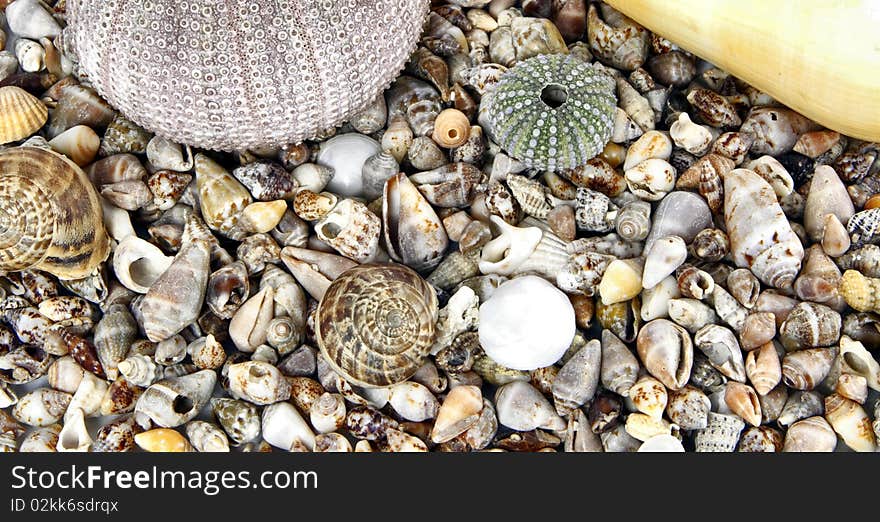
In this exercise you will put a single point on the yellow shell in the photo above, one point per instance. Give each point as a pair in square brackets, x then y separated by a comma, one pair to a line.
[451, 128]
[860, 292]
[375, 324]
[773, 46]
[21, 114]
[50, 215]
[163, 440]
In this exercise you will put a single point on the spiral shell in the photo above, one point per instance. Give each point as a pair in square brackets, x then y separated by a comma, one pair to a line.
[51, 215]
[761, 237]
[375, 324]
[552, 112]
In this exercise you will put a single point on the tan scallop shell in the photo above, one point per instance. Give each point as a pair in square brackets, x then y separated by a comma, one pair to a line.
[23, 114]
[375, 324]
[51, 215]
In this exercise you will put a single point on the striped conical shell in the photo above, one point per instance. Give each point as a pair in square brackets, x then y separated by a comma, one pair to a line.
[50, 215]
[22, 114]
[552, 112]
[375, 324]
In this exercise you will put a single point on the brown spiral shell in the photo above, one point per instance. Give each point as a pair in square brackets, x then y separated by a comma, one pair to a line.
[375, 324]
[50, 215]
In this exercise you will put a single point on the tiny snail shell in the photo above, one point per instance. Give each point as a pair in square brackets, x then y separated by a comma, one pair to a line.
[40, 189]
[451, 128]
[375, 324]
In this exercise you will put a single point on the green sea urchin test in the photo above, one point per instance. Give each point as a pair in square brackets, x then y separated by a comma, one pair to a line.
[553, 112]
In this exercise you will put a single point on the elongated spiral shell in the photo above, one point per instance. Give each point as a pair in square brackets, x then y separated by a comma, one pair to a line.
[237, 74]
[553, 112]
[375, 324]
[50, 215]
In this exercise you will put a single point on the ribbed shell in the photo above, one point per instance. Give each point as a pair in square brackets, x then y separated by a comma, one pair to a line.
[241, 73]
[375, 324]
[23, 114]
[551, 138]
[50, 215]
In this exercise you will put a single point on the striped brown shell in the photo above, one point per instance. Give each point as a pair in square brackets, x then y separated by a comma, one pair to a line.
[375, 324]
[50, 215]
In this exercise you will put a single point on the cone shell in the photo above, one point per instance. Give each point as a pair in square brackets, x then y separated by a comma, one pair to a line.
[666, 351]
[23, 114]
[761, 237]
[764, 368]
[578, 379]
[52, 213]
[164, 440]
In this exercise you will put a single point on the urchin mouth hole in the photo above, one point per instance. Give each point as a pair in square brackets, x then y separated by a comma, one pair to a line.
[554, 95]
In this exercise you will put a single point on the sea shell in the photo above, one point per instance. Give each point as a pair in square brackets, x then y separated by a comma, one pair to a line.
[258, 382]
[207, 437]
[138, 263]
[633, 221]
[860, 361]
[41, 407]
[773, 173]
[691, 313]
[810, 325]
[239, 419]
[743, 401]
[688, 408]
[713, 108]
[812, 434]
[392, 320]
[578, 379]
[120, 397]
[88, 396]
[668, 218]
[655, 301]
[573, 87]
[221, 196]
[733, 145]
[23, 114]
[852, 386]
[666, 351]
[689, 136]
[719, 344]
[521, 407]
[164, 440]
[649, 396]
[800, 405]
[805, 369]
[617, 40]
[662, 259]
[175, 298]
[54, 188]
[413, 232]
[763, 368]
[851, 423]
[760, 236]
[864, 226]
[621, 281]
[776, 130]
[248, 326]
[695, 283]
[827, 195]
[176, 401]
[526, 344]
[721, 434]
[619, 367]
[651, 179]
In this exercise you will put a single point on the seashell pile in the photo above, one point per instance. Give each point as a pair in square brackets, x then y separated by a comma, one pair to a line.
[554, 231]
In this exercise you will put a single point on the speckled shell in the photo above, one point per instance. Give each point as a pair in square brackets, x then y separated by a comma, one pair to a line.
[51, 215]
[547, 137]
[720, 435]
[375, 324]
[860, 292]
[260, 84]
[761, 237]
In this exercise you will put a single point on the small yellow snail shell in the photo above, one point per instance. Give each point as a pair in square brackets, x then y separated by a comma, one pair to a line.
[451, 128]
[50, 215]
[375, 324]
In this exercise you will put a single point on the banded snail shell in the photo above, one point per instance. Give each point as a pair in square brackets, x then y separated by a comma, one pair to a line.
[50, 215]
[375, 324]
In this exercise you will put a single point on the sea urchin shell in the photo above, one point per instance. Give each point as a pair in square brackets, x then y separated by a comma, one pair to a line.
[242, 73]
[552, 112]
